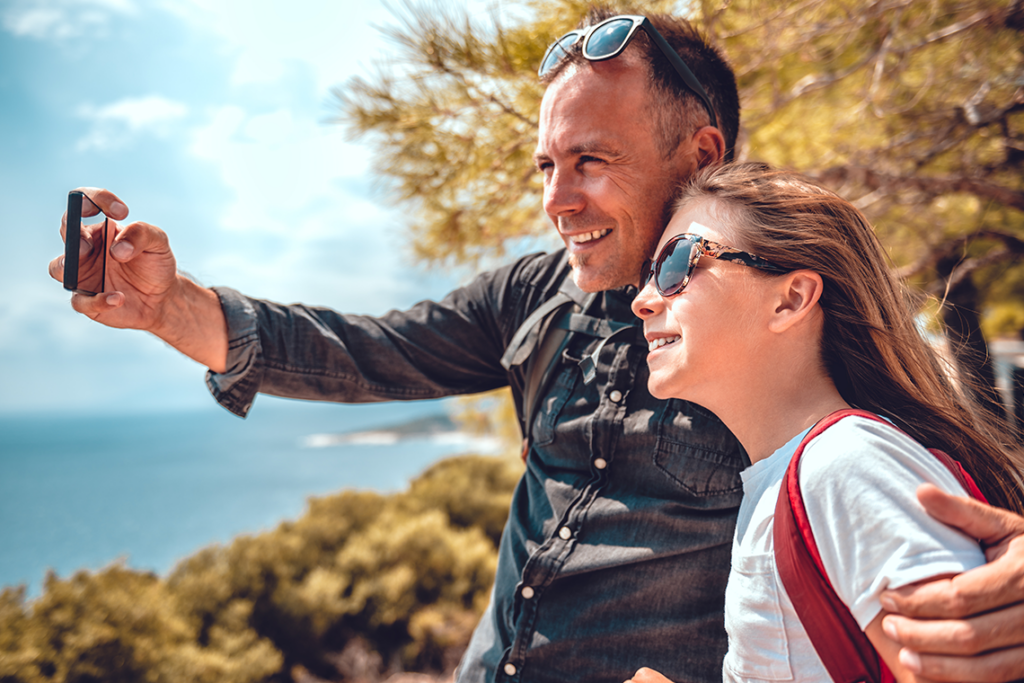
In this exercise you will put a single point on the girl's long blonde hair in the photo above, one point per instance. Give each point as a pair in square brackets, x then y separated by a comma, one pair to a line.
[871, 345]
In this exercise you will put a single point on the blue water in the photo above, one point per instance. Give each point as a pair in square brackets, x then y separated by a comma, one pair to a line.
[83, 492]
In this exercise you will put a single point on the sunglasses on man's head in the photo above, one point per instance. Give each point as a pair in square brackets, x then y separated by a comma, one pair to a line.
[609, 38]
[674, 265]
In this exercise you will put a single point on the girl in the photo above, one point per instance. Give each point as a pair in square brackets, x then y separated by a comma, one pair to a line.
[771, 303]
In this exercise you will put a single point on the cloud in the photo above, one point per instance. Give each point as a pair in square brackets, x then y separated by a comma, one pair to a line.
[60, 19]
[329, 38]
[283, 170]
[299, 219]
[117, 123]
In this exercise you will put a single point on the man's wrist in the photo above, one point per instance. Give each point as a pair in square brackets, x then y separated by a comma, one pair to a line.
[193, 322]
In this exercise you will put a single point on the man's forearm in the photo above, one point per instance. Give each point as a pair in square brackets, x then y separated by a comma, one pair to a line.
[193, 322]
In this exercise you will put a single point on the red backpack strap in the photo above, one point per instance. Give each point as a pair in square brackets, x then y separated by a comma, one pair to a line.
[965, 479]
[842, 647]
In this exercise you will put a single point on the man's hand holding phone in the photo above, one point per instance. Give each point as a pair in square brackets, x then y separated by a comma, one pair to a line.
[127, 277]
[123, 275]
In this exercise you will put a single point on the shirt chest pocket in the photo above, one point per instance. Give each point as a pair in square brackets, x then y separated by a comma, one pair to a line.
[551, 403]
[699, 455]
[758, 646]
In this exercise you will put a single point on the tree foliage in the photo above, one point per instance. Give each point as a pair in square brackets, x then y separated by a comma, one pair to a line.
[453, 117]
[403, 577]
[914, 110]
[910, 108]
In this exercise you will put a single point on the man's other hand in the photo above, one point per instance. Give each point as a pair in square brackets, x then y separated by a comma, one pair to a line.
[646, 675]
[969, 629]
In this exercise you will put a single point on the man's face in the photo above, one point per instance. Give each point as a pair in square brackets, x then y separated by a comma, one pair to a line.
[607, 187]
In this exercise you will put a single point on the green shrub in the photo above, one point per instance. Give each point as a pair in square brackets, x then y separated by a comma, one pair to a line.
[407, 575]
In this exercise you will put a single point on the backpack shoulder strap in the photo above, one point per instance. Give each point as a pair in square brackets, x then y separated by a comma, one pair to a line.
[539, 342]
[525, 339]
[965, 479]
[842, 647]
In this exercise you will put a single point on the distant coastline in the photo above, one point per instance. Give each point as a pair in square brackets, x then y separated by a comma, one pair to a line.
[82, 492]
[437, 429]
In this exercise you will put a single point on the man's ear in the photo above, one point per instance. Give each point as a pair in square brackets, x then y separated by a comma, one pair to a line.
[797, 296]
[709, 146]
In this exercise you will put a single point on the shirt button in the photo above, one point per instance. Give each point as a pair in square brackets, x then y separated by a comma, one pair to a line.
[565, 533]
[600, 463]
[615, 396]
[510, 669]
[527, 592]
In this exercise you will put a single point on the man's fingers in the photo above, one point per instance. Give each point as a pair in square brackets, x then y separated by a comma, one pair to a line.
[138, 238]
[1000, 666]
[989, 524]
[959, 637]
[90, 235]
[646, 675]
[106, 201]
[56, 269]
[98, 304]
[984, 588]
[996, 584]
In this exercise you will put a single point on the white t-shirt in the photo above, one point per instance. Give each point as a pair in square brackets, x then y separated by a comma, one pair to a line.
[858, 481]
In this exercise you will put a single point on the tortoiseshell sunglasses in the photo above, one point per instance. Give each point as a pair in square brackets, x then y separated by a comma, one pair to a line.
[674, 265]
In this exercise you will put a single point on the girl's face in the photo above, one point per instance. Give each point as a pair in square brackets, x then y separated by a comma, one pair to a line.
[705, 340]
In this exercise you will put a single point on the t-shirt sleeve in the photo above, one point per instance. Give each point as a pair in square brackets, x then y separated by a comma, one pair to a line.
[859, 481]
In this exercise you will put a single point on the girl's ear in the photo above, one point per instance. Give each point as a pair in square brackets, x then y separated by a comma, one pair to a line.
[797, 296]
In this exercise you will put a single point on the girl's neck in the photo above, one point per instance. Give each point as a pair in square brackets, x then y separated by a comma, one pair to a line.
[765, 419]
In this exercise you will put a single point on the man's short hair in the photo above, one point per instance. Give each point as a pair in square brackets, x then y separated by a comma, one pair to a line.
[676, 110]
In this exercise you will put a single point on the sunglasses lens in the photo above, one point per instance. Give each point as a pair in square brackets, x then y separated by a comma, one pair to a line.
[673, 266]
[557, 52]
[609, 39]
[645, 273]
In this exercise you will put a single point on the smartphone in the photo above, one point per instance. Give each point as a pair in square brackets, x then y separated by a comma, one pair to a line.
[85, 273]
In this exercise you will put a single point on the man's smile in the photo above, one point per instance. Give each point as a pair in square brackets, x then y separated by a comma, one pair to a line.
[584, 237]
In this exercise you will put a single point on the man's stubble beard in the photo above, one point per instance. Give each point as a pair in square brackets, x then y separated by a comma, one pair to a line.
[578, 260]
[614, 280]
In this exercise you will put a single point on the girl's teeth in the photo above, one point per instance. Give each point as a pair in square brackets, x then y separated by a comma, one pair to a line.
[661, 341]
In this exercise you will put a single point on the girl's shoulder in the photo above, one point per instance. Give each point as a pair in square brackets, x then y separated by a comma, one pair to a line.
[858, 451]
[858, 482]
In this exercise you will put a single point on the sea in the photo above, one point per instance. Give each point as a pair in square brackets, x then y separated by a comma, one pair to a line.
[149, 490]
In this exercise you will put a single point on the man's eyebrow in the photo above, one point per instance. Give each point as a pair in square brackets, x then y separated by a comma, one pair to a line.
[582, 149]
[592, 148]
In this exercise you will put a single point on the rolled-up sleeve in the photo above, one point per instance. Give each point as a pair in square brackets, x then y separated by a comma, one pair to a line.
[236, 387]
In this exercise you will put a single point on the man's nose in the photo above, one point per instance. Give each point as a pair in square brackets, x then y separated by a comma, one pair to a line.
[563, 195]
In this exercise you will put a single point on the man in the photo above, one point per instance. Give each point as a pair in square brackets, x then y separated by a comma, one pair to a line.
[617, 547]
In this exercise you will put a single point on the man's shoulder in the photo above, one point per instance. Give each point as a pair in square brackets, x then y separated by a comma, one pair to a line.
[541, 269]
[531, 280]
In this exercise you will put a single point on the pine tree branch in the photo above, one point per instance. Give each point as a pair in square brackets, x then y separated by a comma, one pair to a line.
[929, 185]
[1012, 247]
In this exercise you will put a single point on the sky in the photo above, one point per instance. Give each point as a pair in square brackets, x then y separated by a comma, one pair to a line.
[212, 120]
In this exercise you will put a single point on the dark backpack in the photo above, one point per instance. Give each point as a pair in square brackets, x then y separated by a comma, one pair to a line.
[843, 648]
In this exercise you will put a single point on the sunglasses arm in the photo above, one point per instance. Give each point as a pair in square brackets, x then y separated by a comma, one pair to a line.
[681, 68]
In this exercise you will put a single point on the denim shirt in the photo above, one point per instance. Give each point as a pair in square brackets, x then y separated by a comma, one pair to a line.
[616, 551]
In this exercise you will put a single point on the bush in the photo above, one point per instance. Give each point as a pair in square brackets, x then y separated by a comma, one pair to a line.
[407, 575]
